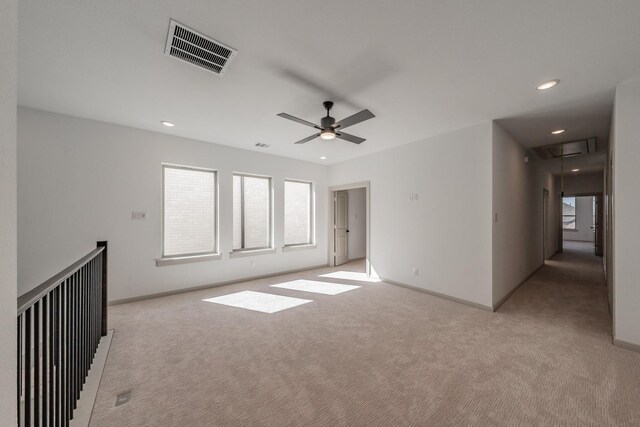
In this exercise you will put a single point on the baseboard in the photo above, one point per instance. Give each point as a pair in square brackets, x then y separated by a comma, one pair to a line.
[512, 291]
[212, 285]
[356, 259]
[438, 294]
[626, 345]
[82, 414]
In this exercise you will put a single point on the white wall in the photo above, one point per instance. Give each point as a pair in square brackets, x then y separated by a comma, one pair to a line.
[79, 180]
[8, 61]
[518, 204]
[357, 223]
[626, 178]
[446, 233]
[584, 221]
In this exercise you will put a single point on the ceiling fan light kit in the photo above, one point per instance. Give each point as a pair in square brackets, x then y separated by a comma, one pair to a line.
[328, 127]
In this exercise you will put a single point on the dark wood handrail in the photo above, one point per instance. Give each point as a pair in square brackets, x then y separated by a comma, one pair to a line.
[29, 298]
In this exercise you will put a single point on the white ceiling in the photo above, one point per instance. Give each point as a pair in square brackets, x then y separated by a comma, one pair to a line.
[423, 67]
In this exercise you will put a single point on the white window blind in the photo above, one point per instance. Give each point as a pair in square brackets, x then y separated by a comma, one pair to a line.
[297, 213]
[189, 211]
[251, 212]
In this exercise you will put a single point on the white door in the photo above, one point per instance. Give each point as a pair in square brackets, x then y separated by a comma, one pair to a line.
[341, 248]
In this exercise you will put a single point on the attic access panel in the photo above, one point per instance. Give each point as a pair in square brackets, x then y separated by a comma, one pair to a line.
[567, 149]
[198, 49]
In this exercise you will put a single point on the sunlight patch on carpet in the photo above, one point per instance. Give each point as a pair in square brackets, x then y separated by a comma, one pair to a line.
[258, 301]
[316, 287]
[350, 275]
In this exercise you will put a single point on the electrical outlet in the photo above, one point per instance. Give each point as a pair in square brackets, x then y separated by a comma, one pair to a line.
[139, 215]
[415, 271]
[252, 263]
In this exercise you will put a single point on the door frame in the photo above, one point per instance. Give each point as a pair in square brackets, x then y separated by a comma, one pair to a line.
[332, 222]
[546, 229]
[599, 215]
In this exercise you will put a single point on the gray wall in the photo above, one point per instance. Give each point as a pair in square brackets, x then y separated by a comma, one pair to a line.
[587, 183]
[626, 227]
[518, 204]
[357, 223]
[79, 181]
[8, 61]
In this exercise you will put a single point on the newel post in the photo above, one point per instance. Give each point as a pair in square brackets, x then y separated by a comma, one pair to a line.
[104, 287]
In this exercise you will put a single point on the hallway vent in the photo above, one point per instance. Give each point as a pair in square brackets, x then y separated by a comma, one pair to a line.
[567, 149]
[197, 49]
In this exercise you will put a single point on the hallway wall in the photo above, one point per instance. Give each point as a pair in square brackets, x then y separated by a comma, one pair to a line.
[79, 181]
[8, 225]
[518, 213]
[444, 232]
[626, 176]
[582, 183]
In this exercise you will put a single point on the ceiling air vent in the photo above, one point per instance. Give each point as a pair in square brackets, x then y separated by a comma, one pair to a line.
[262, 145]
[197, 49]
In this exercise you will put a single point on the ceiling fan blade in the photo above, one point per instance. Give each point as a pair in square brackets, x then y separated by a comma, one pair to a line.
[296, 119]
[355, 119]
[350, 138]
[307, 139]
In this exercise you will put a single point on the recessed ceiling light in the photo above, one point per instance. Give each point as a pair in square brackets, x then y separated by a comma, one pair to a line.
[575, 170]
[167, 124]
[323, 158]
[547, 85]
[557, 132]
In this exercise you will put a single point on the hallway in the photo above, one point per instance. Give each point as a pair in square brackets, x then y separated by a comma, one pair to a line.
[376, 355]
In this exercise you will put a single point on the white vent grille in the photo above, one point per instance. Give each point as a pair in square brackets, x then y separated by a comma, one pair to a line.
[262, 145]
[197, 49]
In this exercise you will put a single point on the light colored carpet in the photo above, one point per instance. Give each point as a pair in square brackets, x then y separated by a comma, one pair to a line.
[377, 355]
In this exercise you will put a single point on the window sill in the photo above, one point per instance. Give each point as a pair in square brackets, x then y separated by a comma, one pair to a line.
[186, 259]
[250, 252]
[292, 248]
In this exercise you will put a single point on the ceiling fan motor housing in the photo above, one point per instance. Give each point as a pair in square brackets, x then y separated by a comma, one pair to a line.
[327, 122]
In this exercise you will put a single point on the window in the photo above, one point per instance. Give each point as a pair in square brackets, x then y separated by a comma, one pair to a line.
[189, 211]
[568, 213]
[251, 212]
[298, 208]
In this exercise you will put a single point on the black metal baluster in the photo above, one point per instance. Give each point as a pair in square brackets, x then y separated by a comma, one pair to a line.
[69, 360]
[45, 350]
[52, 352]
[78, 364]
[83, 307]
[64, 392]
[36, 364]
[58, 354]
[19, 406]
[81, 331]
[27, 367]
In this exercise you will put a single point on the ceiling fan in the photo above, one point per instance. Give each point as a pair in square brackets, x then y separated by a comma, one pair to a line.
[329, 129]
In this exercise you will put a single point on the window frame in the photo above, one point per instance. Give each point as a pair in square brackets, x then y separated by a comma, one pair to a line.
[188, 257]
[575, 215]
[312, 214]
[270, 245]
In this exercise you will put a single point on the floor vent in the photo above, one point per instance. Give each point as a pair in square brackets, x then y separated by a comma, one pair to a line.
[197, 49]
